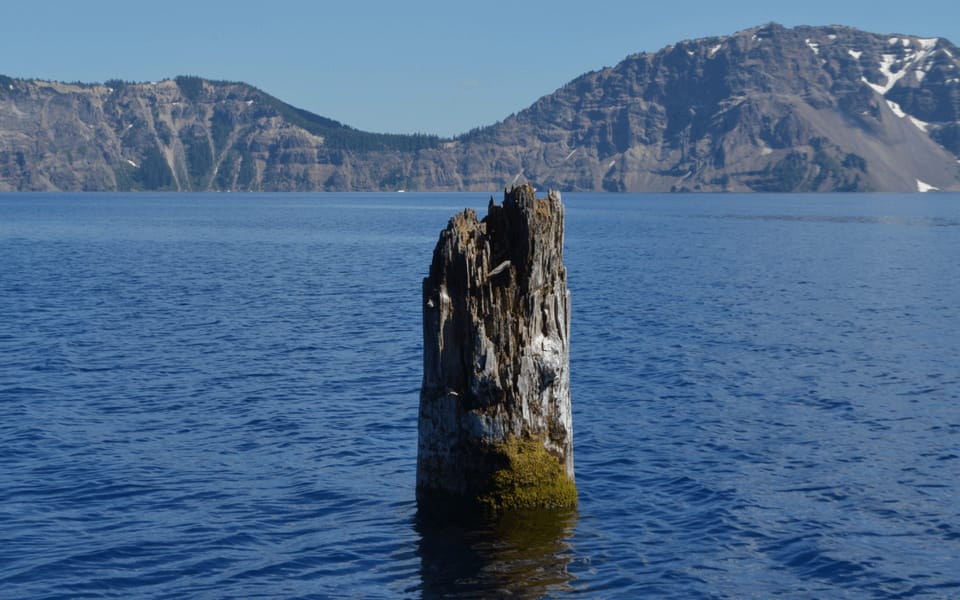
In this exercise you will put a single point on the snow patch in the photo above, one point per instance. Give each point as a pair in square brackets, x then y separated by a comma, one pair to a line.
[921, 125]
[925, 187]
[690, 53]
[877, 88]
[832, 36]
[610, 166]
[856, 54]
[886, 62]
[920, 74]
[893, 40]
[572, 152]
[928, 43]
[132, 164]
[249, 102]
[896, 109]
[906, 43]
[947, 52]
[812, 45]
[715, 49]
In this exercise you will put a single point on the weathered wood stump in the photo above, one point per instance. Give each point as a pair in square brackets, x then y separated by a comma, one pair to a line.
[495, 424]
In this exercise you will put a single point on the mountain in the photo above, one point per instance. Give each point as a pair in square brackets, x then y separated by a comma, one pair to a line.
[181, 134]
[766, 109]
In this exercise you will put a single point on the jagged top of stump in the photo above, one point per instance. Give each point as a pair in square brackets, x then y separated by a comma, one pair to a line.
[524, 235]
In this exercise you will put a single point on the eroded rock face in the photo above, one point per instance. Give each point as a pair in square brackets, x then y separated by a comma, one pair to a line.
[496, 374]
[767, 109]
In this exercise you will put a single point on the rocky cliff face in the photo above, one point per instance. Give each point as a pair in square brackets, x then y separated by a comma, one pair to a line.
[767, 109]
[186, 134]
[495, 415]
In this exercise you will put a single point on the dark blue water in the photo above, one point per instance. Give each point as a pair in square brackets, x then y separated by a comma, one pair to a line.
[215, 396]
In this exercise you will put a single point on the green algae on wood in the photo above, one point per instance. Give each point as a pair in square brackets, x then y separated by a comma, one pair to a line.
[531, 478]
[495, 420]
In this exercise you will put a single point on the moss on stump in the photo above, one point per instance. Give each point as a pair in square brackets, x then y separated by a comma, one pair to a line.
[531, 478]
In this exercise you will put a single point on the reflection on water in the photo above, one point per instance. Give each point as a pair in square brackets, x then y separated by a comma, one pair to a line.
[847, 219]
[522, 554]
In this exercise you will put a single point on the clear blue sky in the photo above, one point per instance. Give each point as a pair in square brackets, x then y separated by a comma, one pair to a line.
[426, 66]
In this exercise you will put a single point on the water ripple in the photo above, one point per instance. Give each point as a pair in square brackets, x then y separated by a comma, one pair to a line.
[211, 398]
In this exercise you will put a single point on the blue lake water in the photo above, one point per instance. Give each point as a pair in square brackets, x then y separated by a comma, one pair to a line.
[215, 396]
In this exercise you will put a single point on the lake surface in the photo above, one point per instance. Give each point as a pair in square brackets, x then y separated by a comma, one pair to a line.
[215, 396]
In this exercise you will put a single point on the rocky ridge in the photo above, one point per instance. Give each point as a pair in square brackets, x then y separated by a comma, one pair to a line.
[766, 109]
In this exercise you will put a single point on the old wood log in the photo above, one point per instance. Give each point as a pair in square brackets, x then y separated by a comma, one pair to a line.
[495, 423]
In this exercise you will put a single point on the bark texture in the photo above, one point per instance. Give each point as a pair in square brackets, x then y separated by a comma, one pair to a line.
[495, 420]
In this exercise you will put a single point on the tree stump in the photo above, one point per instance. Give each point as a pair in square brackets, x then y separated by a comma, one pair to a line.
[495, 422]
